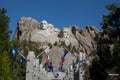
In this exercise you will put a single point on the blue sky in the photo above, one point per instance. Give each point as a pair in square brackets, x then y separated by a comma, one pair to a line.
[60, 13]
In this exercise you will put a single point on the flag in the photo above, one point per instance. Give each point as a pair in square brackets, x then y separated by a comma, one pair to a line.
[98, 52]
[89, 60]
[48, 59]
[84, 51]
[77, 60]
[60, 68]
[53, 71]
[45, 55]
[47, 50]
[50, 65]
[65, 52]
[22, 59]
[61, 63]
[27, 52]
[14, 52]
[55, 74]
[62, 59]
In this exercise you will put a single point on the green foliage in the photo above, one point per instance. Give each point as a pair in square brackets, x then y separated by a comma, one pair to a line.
[5, 47]
[5, 69]
[74, 49]
[106, 56]
[62, 43]
[111, 7]
[4, 32]
[109, 59]
[50, 45]
[116, 53]
[116, 58]
[56, 43]
[45, 65]
[111, 27]
[18, 72]
[111, 22]
[97, 72]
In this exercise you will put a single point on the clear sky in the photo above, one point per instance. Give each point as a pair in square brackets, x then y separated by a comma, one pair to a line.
[60, 13]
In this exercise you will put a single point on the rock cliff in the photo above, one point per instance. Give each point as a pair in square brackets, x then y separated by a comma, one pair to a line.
[31, 30]
[43, 34]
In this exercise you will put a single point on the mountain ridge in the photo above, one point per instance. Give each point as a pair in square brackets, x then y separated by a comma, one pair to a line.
[31, 30]
[43, 34]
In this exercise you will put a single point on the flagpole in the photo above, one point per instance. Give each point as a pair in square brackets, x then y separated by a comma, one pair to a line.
[41, 53]
[66, 49]
[21, 54]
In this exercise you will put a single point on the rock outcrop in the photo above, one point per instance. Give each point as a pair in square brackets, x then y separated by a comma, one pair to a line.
[43, 32]
[36, 71]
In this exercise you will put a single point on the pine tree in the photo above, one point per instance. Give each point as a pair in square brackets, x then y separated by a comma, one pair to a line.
[5, 47]
[111, 27]
[109, 58]
[111, 22]
[96, 70]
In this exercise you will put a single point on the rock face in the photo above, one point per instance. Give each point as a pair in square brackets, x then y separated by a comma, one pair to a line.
[55, 55]
[43, 32]
[36, 71]
[86, 37]
[26, 26]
